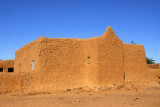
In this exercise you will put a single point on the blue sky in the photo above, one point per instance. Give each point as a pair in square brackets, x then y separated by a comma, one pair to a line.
[22, 21]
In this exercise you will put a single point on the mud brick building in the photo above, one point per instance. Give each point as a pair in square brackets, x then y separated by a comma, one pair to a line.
[49, 64]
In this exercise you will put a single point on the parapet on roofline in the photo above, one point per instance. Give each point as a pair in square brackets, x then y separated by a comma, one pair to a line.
[133, 44]
[108, 34]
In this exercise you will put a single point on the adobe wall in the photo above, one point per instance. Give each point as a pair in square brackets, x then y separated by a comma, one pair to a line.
[61, 64]
[80, 62]
[110, 59]
[102, 54]
[15, 82]
[5, 64]
[9, 82]
[91, 68]
[24, 57]
[135, 65]
[154, 66]
[155, 70]
[72, 63]
[23, 65]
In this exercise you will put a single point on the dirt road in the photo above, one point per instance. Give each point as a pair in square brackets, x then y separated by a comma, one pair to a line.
[114, 98]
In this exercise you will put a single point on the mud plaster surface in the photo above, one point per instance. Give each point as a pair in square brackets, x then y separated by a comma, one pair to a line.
[62, 64]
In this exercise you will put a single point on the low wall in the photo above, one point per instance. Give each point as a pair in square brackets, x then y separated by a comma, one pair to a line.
[10, 83]
[135, 64]
[154, 66]
[13, 82]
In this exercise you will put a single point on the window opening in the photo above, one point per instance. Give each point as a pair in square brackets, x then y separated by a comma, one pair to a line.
[10, 69]
[33, 64]
[1, 69]
[19, 67]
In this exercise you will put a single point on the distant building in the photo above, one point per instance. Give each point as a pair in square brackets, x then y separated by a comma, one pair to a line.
[6, 66]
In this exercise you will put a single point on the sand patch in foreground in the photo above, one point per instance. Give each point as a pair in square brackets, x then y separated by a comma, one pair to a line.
[115, 98]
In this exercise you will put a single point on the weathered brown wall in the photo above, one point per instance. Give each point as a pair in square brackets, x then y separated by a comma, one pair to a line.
[110, 59]
[154, 66]
[104, 60]
[91, 69]
[24, 57]
[15, 82]
[10, 82]
[61, 64]
[5, 64]
[134, 62]
[135, 65]
[155, 70]
[71, 63]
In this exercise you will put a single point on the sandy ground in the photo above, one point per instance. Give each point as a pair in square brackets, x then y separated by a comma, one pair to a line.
[111, 98]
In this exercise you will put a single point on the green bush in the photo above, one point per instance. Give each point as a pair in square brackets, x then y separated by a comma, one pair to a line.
[150, 60]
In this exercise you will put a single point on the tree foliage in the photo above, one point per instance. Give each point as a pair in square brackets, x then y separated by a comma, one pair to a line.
[150, 60]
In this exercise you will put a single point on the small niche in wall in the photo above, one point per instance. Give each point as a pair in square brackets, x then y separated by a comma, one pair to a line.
[124, 76]
[20, 67]
[10, 69]
[88, 60]
[33, 64]
[1, 69]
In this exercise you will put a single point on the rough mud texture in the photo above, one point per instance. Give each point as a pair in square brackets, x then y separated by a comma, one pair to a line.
[137, 72]
[67, 64]
[154, 66]
[110, 59]
[14, 82]
[25, 56]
